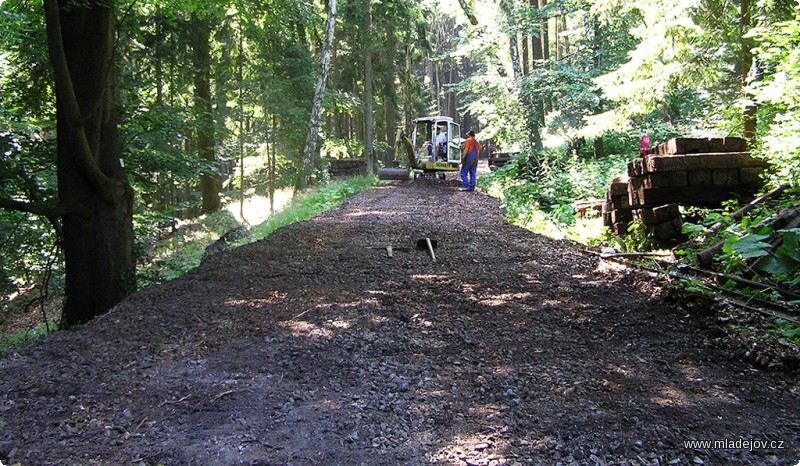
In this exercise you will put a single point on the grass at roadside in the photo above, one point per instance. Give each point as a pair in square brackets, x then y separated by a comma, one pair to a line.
[184, 250]
[10, 342]
[311, 203]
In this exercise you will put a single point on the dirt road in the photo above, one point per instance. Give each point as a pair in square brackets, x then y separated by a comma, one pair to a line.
[314, 347]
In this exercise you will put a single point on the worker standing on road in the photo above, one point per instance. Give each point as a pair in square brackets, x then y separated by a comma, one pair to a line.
[469, 162]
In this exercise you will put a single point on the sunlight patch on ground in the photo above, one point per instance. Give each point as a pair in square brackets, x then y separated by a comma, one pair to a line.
[340, 324]
[505, 298]
[669, 396]
[554, 303]
[421, 322]
[305, 329]
[256, 208]
[470, 450]
[379, 319]
[365, 213]
[609, 266]
[428, 278]
[532, 279]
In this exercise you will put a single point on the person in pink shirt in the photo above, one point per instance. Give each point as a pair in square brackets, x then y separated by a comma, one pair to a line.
[645, 144]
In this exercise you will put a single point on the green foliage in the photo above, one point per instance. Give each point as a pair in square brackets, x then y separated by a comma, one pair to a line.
[785, 260]
[789, 332]
[26, 249]
[180, 252]
[573, 91]
[748, 250]
[537, 190]
[167, 255]
[16, 341]
[309, 204]
[776, 92]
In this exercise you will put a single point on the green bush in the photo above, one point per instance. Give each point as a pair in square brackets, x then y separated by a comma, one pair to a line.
[537, 191]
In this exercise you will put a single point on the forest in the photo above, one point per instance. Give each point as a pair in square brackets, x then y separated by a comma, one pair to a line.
[125, 123]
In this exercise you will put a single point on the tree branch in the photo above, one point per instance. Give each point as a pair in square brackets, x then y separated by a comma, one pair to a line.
[36, 208]
[76, 134]
[467, 7]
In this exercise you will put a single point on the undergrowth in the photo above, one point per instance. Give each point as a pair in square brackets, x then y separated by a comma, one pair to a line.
[313, 202]
[16, 340]
[748, 254]
[537, 192]
[184, 250]
[167, 248]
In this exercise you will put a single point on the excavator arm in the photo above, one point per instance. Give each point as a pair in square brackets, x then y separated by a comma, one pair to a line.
[399, 172]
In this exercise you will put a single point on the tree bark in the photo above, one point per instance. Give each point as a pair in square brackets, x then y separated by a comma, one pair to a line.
[537, 62]
[204, 119]
[391, 92]
[750, 110]
[560, 39]
[467, 7]
[407, 90]
[368, 97]
[98, 227]
[526, 70]
[240, 79]
[531, 119]
[545, 33]
[319, 94]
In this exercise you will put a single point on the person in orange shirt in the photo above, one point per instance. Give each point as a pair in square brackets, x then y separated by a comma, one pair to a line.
[469, 162]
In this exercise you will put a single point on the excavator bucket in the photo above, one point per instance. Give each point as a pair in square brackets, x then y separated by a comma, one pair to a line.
[398, 173]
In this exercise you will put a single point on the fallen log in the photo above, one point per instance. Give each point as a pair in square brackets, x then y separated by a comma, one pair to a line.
[786, 294]
[739, 214]
[706, 257]
[762, 307]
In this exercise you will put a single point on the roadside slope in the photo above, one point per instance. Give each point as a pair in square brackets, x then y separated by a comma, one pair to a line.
[310, 347]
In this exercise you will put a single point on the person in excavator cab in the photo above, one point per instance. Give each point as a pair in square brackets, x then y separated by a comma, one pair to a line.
[440, 145]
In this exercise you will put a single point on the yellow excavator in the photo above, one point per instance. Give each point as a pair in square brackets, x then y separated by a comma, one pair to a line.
[429, 153]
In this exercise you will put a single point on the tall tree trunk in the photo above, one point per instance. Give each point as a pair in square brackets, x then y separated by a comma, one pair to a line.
[749, 114]
[204, 118]
[319, 94]
[368, 97]
[391, 92]
[452, 100]
[467, 7]
[545, 33]
[526, 71]
[240, 78]
[547, 105]
[159, 44]
[272, 163]
[537, 61]
[560, 21]
[98, 225]
[407, 90]
[536, 39]
[531, 121]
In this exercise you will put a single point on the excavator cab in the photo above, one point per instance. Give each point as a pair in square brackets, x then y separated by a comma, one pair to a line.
[428, 152]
